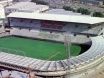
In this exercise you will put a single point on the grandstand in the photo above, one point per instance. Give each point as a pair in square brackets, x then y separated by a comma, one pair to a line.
[52, 28]
[14, 74]
[36, 26]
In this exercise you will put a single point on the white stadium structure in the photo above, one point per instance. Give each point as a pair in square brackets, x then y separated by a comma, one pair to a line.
[2, 14]
[29, 7]
[85, 30]
[37, 25]
[6, 2]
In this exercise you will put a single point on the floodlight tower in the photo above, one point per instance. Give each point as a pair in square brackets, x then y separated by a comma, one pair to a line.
[7, 2]
[67, 43]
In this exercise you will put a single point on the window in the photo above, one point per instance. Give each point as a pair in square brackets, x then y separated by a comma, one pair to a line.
[50, 31]
[31, 21]
[87, 36]
[64, 23]
[101, 33]
[42, 22]
[53, 23]
[76, 25]
[11, 20]
[74, 34]
[0, 26]
[29, 29]
[89, 26]
[101, 28]
[21, 20]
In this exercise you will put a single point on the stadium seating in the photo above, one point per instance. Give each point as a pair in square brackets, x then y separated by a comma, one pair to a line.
[56, 36]
[52, 25]
[24, 32]
[83, 29]
[56, 26]
[50, 36]
[25, 23]
[14, 74]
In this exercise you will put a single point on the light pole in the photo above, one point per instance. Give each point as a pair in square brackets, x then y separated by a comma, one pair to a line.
[67, 43]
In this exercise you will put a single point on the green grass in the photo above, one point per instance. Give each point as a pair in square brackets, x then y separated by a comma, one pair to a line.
[38, 49]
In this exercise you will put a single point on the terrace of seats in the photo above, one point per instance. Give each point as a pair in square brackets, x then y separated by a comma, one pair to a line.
[56, 25]
[82, 28]
[25, 23]
[33, 33]
[14, 74]
[53, 25]
[17, 74]
[21, 63]
[24, 32]
[48, 35]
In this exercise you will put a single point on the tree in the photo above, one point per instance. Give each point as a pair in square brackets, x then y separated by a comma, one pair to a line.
[68, 8]
[98, 14]
[80, 10]
[71, 9]
[65, 7]
[86, 12]
[83, 11]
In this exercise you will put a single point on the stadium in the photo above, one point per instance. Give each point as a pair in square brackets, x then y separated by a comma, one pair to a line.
[38, 40]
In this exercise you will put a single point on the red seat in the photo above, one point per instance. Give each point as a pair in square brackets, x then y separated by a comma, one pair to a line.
[47, 22]
[48, 26]
[54, 27]
[59, 23]
[43, 26]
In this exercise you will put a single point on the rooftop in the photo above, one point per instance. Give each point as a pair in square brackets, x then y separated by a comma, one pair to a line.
[58, 17]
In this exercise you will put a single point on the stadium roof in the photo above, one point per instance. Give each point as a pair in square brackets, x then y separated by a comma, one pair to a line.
[58, 17]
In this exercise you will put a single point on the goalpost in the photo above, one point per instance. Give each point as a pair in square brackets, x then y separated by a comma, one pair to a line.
[12, 51]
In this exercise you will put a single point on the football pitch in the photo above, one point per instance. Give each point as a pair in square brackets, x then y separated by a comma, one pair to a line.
[38, 49]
